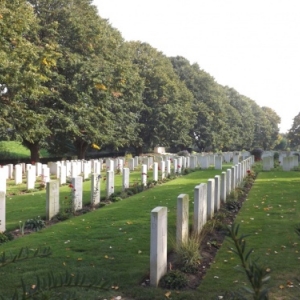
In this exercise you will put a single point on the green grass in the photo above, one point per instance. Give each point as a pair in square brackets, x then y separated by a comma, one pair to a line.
[15, 150]
[112, 242]
[269, 216]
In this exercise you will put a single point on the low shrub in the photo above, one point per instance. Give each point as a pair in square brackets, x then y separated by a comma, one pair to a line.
[174, 280]
[188, 255]
[35, 224]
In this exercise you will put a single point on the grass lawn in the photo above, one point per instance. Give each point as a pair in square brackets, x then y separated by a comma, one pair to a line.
[113, 242]
[269, 215]
[15, 150]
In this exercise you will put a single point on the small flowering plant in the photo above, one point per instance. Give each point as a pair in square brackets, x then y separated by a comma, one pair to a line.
[249, 179]
[251, 173]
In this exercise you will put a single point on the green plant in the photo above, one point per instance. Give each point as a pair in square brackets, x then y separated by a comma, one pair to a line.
[257, 275]
[188, 255]
[114, 197]
[276, 156]
[183, 153]
[45, 285]
[297, 229]
[62, 216]
[174, 280]
[22, 227]
[232, 205]
[186, 171]
[3, 238]
[35, 224]
[216, 223]
[50, 282]
[24, 254]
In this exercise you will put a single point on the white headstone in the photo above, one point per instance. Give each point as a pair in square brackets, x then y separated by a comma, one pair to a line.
[179, 166]
[95, 188]
[131, 164]
[168, 167]
[200, 207]
[155, 171]
[18, 174]
[62, 175]
[163, 169]
[210, 198]
[2, 212]
[217, 193]
[223, 187]
[110, 183]
[45, 173]
[10, 171]
[144, 174]
[125, 178]
[77, 193]
[233, 178]
[218, 162]
[182, 223]
[30, 179]
[52, 199]
[2, 180]
[228, 181]
[158, 244]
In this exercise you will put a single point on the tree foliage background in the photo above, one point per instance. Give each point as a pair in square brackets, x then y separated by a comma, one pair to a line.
[69, 80]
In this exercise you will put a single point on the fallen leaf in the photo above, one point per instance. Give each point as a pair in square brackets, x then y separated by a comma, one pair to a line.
[167, 294]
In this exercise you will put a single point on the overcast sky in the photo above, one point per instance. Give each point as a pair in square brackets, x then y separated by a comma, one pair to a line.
[252, 46]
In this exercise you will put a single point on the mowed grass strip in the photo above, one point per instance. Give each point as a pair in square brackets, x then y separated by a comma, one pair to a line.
[269, 216]
[112, 243]
[21, 206]
[15, 150]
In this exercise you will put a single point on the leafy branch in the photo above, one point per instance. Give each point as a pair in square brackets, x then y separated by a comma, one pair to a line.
[257, 275]
[51, 282]
[24, 253]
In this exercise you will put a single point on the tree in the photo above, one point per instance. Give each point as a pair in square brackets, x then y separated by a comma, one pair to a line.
[166, 115]
[210, 130]
[273, 121]
[294, 132]
[23, 72]
[95, 89]
[244, 135]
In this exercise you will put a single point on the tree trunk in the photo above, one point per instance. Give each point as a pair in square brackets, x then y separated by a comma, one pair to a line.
[34, 149]
[81, 147]
[138, 150]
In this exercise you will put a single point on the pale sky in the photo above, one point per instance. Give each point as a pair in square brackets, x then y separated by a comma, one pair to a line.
[251, 46]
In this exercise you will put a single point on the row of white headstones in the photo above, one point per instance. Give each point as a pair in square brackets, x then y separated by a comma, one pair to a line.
[287, 162]
[80, 170]
[207, 199]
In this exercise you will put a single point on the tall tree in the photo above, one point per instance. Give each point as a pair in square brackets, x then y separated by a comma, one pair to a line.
[23, 72]
[294, 132]
[209, 131]
[272, 129]
[93, 80]
[245, 127]
[166, 115]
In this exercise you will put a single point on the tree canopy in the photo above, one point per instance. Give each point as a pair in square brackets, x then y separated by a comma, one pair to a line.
[69, 80]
